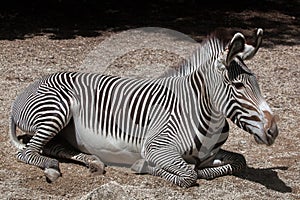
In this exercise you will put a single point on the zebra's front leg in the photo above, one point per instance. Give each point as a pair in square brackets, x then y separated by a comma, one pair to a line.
[224, 163]
[168, 164]
[60, 148]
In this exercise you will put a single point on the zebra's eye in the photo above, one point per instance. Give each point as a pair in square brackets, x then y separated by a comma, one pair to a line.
[238, 85]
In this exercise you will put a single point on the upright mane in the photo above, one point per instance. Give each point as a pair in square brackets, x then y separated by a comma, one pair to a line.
[203, 56]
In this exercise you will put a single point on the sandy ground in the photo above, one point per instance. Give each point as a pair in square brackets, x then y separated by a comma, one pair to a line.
[272, 173]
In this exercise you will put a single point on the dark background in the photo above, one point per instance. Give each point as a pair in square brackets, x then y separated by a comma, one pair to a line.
[66, 19]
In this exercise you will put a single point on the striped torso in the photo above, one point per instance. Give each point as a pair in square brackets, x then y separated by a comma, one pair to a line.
[114, 116]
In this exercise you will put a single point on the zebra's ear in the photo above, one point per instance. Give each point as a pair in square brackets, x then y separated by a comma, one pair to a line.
[236, 46]
[250, 50]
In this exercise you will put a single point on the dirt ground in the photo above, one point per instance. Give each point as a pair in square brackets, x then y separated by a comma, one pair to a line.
[34, 42]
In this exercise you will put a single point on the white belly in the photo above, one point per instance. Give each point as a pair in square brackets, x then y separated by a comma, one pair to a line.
[110, 150]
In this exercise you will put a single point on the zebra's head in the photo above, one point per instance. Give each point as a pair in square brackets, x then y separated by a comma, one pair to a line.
[243, 102]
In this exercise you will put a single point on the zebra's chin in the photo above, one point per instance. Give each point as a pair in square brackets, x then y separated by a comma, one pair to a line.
[259, 140]
[266, 139]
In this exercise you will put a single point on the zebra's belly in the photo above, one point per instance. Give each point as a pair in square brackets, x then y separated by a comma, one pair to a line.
[110, 150]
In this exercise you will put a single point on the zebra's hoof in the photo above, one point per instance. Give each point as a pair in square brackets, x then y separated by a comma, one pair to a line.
[96, 166]
[51, 174]
[140, 167]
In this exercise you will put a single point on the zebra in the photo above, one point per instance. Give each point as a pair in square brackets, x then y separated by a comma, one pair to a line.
[172, 126]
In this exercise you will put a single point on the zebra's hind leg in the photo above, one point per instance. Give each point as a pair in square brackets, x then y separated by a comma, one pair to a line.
[60, 148]
[224, 163]
[31, 155]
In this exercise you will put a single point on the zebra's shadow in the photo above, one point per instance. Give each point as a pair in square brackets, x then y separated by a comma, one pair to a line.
[267, 177]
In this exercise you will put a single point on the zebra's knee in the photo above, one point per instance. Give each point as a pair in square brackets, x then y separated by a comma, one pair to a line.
[182, 178]
[188, 179]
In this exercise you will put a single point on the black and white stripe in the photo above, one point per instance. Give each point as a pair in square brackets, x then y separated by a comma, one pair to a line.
[172, 120]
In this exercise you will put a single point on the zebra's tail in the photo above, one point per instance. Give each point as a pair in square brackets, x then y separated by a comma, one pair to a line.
[13, 135]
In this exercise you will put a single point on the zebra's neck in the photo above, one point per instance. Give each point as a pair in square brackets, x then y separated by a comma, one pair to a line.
[204, 91]
[198, 116]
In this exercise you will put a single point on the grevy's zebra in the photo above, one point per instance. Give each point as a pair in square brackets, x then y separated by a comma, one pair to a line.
[156, 125]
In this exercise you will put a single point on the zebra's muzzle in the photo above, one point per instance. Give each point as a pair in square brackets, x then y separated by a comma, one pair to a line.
[270, 132]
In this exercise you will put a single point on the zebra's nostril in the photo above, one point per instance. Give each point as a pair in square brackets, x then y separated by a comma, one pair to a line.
[269, 132]
[270, 137]
[272, 132]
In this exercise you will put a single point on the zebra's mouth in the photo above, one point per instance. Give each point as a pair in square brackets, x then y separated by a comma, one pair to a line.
[258, 139]
[269, 140]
